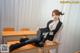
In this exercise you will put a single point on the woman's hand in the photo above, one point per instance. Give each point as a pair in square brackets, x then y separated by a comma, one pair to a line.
[49, 42]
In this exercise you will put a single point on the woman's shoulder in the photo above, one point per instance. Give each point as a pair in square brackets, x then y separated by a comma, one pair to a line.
[60, 21]
[50, 21]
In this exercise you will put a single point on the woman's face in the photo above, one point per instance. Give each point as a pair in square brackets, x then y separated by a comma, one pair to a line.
[55, 16]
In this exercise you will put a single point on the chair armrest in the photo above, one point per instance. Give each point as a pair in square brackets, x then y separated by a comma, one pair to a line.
[55, 42]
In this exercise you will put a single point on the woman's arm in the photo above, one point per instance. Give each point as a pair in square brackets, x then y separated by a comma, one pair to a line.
[57, 36]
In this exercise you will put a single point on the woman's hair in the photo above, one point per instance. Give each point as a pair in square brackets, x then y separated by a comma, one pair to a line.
[57, 12]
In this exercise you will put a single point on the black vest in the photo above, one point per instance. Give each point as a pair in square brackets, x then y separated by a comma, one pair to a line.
[50, 37]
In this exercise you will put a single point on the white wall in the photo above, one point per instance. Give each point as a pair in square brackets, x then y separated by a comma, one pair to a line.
[36, 13]
[71, 29]
[20, 13]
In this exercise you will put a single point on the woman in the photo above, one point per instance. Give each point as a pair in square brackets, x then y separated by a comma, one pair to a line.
[44, 34]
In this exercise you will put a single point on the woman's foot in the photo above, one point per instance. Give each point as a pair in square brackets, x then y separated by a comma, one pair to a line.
[13, 47]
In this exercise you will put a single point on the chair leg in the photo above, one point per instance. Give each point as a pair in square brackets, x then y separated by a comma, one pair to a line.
[49, 51]
[57, 50]
[40, 50]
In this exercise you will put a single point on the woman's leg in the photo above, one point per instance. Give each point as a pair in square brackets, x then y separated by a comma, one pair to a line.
[22, 43]
[18, 45]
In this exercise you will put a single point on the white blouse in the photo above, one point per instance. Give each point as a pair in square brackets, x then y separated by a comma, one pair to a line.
[53, 25]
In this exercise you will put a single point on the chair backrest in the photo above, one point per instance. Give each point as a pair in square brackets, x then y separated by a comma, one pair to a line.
[8, 29]
[58, 35]
[24, 29]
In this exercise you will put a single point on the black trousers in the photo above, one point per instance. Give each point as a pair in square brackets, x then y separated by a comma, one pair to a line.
[37, 42]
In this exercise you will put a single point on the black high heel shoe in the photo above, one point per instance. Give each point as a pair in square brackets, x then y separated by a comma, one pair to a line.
[24, 39]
